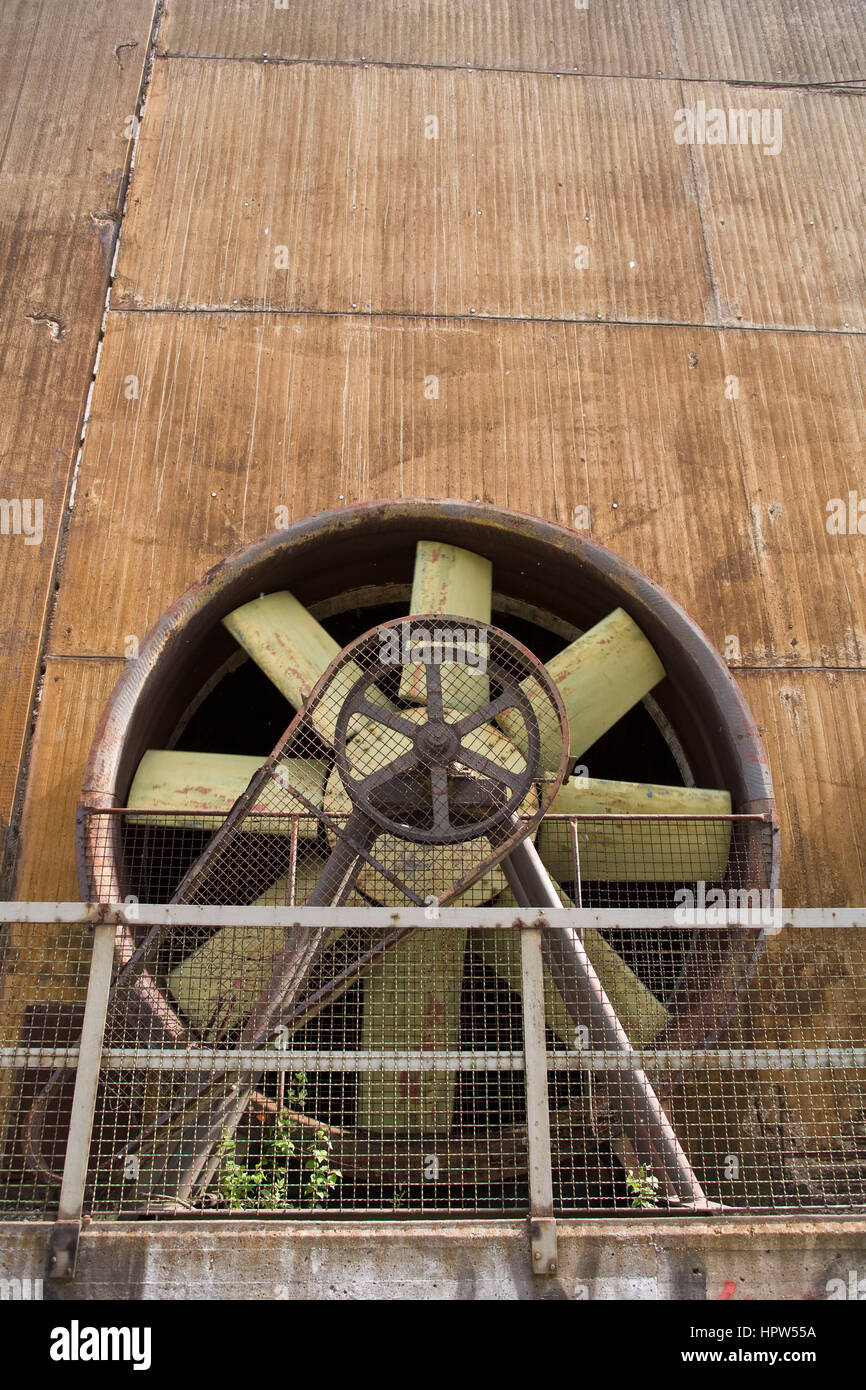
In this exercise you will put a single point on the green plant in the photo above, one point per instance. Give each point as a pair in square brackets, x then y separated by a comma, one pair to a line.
[298, 1091]
[235, 1181]
[264, 1187]
[642, 1186]
[322, 1177]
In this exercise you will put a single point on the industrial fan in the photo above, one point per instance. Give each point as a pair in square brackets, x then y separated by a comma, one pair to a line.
[424, 761]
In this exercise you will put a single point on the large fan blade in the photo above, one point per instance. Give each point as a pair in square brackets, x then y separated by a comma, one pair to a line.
[637, 851]
[454, 581]
[293, 650]
[218, 985]
[600, 677]
[176, 781]
[412, 1002]
[450, 580]
[286, 641]
[642, 1015]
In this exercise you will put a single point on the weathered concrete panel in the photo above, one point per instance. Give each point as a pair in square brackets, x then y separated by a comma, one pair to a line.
[620, 1259]
[70, 74]
[337, 192]
[626, 432]
[814, 40]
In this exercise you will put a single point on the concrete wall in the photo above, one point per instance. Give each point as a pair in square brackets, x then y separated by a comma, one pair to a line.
[618, 1259]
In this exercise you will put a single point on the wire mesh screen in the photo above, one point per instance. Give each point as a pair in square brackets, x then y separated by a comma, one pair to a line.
[395, 1082]
[43, 983]
[393, 1078]
[772, 1112]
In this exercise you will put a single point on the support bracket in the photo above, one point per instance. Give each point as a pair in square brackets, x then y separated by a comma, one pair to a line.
[542, 1244]
[63, 1249]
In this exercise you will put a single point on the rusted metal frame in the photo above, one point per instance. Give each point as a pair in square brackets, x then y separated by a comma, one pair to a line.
[542, 1226]
[63, 1245]
[650, 1130]
[514, 698]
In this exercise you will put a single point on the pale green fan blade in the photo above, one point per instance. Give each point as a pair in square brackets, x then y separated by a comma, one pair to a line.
[286, 641]
[412, 1003]
[637, 851]
[450, 580]
[171, 780]
[600, 677]
[294, 651]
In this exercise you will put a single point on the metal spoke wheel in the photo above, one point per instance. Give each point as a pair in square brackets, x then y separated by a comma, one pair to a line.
[442, 774]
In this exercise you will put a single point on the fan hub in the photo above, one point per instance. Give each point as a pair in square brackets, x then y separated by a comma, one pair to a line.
[399, 765]
[437, 744]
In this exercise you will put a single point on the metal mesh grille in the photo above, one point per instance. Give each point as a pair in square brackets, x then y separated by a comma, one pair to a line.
[43, 983]
[394, 1081]
[772, 1114]
[401, 1089]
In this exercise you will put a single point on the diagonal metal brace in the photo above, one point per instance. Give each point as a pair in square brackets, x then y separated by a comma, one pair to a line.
[215, 1110]
[649, 1128]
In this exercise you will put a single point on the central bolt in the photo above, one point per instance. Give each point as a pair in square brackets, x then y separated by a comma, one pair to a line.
[436, 742]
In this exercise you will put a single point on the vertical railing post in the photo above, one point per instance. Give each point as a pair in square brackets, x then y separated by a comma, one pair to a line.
[542, 1226]
[63, 1247]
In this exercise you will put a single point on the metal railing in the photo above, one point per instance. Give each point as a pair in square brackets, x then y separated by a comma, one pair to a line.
[431, 1064]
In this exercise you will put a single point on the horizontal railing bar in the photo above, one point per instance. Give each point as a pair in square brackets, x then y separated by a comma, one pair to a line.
[658, 815]
[389, 918]
[274, 1059]
[166, 813]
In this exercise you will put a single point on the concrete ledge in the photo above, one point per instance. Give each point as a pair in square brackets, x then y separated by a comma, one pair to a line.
[730, 1258]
